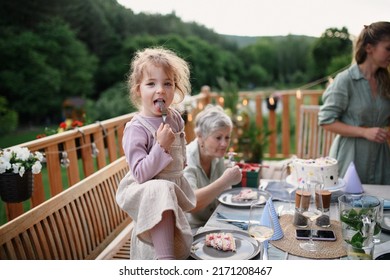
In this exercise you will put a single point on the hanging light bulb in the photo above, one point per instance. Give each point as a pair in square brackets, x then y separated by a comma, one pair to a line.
[65, 162]
[299, 94]
[44, 160]
[221, 101]
[95, 150]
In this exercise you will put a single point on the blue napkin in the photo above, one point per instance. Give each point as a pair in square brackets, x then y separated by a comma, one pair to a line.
[231, 216]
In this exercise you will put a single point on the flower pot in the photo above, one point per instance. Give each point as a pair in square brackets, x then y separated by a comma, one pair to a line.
[14, 189]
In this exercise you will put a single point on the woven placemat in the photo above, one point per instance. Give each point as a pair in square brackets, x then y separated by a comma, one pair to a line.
[327, 249]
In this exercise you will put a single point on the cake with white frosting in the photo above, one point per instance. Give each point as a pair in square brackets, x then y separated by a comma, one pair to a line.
[303, 170]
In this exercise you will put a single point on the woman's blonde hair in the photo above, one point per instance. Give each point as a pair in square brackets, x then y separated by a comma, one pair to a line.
[174, 66]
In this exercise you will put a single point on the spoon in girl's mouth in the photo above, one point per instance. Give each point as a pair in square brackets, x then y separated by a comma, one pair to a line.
[163, 110]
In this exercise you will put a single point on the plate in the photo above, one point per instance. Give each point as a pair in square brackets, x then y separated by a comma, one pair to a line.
[226, 197]
[386, 223]
[246, 247]
[340, 185]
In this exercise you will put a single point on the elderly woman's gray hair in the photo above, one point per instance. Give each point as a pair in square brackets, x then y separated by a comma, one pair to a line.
[211, 119]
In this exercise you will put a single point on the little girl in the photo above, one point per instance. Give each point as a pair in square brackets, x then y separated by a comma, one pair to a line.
[154, 192]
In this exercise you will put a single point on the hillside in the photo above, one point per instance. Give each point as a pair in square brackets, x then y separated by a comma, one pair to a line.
[243, 41]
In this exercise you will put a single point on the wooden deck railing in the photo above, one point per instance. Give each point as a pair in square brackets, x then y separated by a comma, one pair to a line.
[75, 151]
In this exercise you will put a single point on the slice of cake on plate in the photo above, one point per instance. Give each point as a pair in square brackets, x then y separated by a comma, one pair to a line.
[245, 194]
[221, 241]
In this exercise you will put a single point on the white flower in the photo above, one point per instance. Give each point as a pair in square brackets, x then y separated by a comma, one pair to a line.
[36, 168]
[39, 156]
[21, 171]
[16, 167]
[4, 164]
[22, 153]
[18, 160]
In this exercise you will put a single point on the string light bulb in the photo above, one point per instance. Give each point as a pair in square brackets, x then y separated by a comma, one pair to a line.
[299, 94]
[95, 150]
[221, 101]
[65, 162]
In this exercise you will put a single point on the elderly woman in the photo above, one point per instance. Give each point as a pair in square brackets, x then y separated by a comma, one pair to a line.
[206, 171]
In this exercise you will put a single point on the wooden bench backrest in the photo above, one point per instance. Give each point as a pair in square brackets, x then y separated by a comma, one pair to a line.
[313, 140]
[76, 224]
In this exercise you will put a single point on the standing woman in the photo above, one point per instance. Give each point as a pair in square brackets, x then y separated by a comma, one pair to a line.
[205, 170]
[356, 106]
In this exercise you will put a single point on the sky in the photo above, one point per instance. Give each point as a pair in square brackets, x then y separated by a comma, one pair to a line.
[270, 17]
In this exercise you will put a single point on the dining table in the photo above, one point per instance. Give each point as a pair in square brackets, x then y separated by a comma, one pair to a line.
[274, 252]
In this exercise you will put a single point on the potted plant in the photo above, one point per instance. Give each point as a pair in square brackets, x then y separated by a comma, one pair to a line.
[17, 166]
[254, 141]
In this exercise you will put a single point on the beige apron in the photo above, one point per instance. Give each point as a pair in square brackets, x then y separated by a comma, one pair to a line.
[146, 202]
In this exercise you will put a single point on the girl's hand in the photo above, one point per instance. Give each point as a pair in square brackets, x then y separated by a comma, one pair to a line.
[376, 134]
[165, 136]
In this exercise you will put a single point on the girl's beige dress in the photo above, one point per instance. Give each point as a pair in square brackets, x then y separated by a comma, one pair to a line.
[146, 202]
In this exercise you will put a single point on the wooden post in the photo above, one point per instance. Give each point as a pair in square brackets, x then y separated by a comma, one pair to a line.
[299, 102]
[272, 137]
[259, 111]
[286, 126]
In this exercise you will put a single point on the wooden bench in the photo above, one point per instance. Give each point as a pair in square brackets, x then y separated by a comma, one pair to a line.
[83, 222]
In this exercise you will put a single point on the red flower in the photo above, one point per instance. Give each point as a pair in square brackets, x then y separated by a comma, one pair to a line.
[63, 125]
[76, 123]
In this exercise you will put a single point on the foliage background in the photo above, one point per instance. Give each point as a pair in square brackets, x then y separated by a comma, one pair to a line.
[53, 50]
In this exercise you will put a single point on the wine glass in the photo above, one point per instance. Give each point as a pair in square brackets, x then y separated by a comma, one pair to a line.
[289, 188]
[260, 225]
[311, 208]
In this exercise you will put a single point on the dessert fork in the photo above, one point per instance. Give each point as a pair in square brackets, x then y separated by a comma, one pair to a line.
[164, 111]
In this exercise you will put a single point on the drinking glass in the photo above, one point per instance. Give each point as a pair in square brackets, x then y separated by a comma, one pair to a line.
[289, 188]
[378, 224]
[260, 227]
[358, 216]
[311, 208]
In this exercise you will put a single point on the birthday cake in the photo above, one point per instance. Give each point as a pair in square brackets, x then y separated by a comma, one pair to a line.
[326, 168]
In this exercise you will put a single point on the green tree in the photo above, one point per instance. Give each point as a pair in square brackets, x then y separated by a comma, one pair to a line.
[113, 102]
[40, 69]
[8, 117]
[332, 43]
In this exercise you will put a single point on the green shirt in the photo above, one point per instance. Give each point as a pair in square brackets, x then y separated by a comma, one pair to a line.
[349, 100]
[197, 179]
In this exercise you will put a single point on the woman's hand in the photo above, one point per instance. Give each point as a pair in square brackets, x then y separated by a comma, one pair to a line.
[232, 176]
[165, 136]
[376, 134]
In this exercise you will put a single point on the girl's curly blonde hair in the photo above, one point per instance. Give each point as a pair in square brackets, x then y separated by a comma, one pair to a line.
[174, 66]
